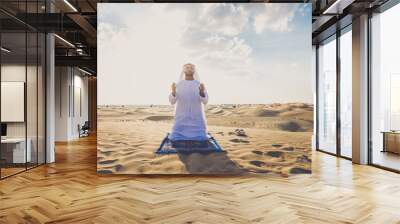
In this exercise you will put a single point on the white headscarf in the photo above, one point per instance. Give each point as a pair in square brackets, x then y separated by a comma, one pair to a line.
[195, 74]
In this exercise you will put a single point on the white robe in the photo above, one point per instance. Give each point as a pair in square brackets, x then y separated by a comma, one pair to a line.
[190, 121]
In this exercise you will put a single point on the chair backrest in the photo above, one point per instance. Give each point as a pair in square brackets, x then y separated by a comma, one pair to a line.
[86, 125]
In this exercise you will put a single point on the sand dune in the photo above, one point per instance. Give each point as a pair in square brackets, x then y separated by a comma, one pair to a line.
[260, 111]
[277, 140]
[160, 118]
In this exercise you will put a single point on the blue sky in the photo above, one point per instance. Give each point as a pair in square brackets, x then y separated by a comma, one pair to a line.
[245, 53]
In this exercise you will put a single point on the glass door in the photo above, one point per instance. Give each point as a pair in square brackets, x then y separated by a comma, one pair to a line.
[385, 89]
[22, 78]
[327, 95]
[346, 92]
[14, 155]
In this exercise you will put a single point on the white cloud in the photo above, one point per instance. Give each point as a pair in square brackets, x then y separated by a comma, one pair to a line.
[223, 18]
[236, 47]
[212, 37]
[229, 54]
[275, 17]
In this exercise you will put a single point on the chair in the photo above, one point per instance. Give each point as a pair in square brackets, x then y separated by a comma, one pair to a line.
[84, 130]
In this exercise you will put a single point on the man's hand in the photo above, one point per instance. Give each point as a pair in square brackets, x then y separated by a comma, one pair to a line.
[202, 89]
[173, 89]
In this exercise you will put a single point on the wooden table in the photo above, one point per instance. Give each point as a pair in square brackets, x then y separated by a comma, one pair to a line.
[391, 141]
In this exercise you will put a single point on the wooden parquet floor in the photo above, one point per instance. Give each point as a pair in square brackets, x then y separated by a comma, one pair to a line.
[70, 191]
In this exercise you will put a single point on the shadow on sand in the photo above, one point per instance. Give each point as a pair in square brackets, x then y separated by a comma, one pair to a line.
[210, 163]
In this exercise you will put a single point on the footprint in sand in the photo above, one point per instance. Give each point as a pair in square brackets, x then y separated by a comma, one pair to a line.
[107, 153]
[107, 161]
[121, 143]
[275, 154]
[299, 170]
[303, 159]
[264, 171]
[104, 171]
[276, 145]
[288, 148]
[257, 163]
[257, 152]
[236, 140]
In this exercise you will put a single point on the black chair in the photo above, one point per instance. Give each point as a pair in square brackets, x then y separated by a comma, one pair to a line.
[84, 130]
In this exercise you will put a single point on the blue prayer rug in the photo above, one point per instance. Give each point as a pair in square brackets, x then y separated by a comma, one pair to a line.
[189, 146]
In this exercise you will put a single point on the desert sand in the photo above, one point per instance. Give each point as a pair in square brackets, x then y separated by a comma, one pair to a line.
[277, 140]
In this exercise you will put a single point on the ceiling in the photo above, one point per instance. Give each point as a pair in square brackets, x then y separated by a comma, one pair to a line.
[75, 22]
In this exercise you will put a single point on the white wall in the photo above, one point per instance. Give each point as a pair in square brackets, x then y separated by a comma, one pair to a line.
[12, 73]
[33, 126]
[70, 83]
[62, 81]
[79, 117]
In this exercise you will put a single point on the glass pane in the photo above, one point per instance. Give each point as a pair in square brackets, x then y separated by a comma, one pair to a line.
[31, 88]
[23, 89]
[386, 89]
[41, 98]
[346, 94]
[31, 100]
[327, 96]
[13, 86]
[314, 75]
[394, 101]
